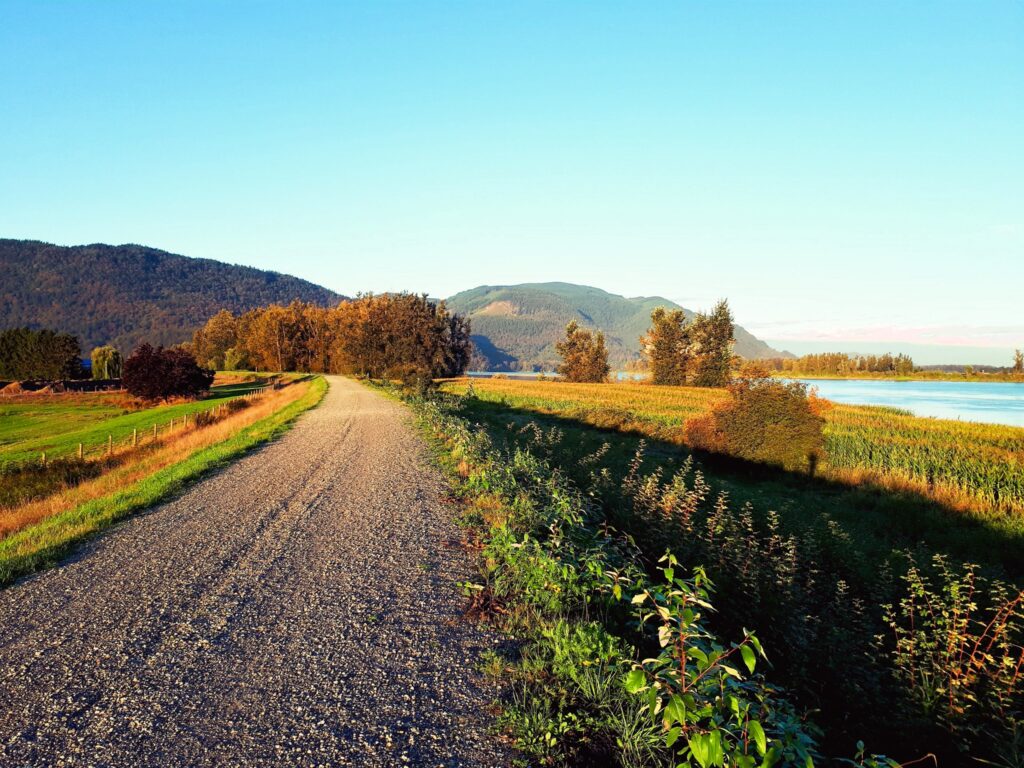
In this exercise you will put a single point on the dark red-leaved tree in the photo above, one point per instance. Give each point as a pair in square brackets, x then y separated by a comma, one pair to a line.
[157, 374]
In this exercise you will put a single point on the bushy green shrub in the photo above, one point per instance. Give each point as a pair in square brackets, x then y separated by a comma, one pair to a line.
[765, 420]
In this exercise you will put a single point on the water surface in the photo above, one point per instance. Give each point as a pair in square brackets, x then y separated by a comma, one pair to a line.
[992, 402]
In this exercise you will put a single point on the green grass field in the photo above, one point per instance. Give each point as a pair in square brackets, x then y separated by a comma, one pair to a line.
[32, 425]
[41, 545]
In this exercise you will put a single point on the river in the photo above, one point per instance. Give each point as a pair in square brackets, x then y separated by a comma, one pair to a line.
[992, 402]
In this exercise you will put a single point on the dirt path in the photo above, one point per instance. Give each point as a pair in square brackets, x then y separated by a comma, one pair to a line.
[297, 608]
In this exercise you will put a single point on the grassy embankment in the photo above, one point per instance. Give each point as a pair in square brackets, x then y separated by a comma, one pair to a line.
[38, 531]
[811, 564]
[31, 424]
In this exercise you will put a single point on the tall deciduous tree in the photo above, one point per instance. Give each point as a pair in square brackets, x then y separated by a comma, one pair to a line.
[667, 347]
[211, 342]
[584, 355]
[161, 373]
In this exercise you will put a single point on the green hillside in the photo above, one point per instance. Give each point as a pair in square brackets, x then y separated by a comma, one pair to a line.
[516, 327]
[127, 294]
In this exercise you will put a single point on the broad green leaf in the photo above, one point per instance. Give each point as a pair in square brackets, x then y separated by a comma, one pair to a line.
[700, 748]
[757, 734]
[748, 657]
[675, 711]
[672, 736]
[637, 599]
[635, 681]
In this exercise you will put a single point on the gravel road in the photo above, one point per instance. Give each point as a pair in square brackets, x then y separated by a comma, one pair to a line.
[297, 608]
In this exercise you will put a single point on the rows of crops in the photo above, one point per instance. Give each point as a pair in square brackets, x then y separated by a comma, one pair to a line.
[976, 466]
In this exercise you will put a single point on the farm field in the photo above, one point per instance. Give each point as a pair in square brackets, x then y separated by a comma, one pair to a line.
[974, 468]
[33, 424]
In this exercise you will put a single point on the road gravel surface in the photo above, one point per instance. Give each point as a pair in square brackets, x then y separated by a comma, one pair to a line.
[296, 608]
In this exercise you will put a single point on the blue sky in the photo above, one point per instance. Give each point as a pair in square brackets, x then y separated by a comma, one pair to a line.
[842, 172]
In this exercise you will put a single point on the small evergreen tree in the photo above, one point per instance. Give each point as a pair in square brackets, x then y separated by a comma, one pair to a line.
[1018, 361]
[667, 347]
[584, 355]
[43, 354]
[714, 338]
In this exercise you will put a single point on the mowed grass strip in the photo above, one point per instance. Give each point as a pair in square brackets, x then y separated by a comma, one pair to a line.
[33, 424]
[47, 530]
[973, 468]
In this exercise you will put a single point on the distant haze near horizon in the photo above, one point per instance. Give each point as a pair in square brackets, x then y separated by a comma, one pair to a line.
[838, 171]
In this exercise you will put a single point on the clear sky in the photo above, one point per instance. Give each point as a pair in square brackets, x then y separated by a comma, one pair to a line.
[841, 171]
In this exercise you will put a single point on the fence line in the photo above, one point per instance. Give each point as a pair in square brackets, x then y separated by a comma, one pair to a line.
[161, 430]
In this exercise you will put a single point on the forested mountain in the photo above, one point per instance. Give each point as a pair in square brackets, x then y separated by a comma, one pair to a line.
[126, 294]
[515, 327]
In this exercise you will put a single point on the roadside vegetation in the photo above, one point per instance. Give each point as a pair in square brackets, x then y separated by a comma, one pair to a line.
[622, 656]
[871, 631]
[56, 424]
[37, 530]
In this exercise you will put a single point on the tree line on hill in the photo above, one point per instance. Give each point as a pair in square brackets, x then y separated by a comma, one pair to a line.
[400, 335]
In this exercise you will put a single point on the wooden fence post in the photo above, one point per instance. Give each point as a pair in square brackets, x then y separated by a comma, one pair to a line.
[154, 431]
[81, 452]
[44, 458]
[135, 437]
[110, 444]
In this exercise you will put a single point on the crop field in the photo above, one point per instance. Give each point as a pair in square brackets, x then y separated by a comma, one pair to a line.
[33, 424]
[974, 468]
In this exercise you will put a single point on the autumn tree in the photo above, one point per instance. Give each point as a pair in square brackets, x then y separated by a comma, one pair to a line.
[584, 355]
[211, 342]
[106, 363]
[1018, 362]
[667, 347]
[713, 341]
[400, 336]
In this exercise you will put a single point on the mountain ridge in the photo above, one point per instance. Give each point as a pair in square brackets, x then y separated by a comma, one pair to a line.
[126, 294]
[516, 327]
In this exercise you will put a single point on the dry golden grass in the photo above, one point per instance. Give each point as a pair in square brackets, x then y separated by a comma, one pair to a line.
[171, 449]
